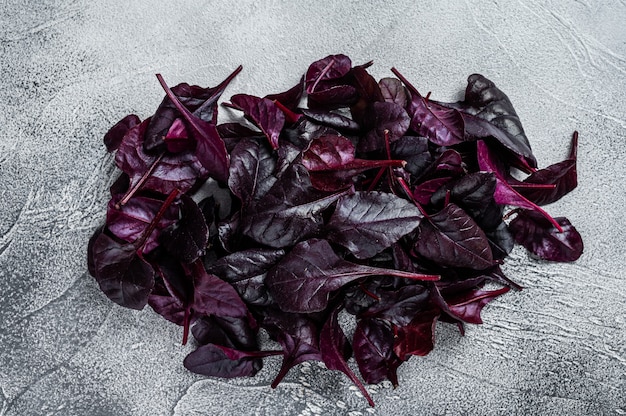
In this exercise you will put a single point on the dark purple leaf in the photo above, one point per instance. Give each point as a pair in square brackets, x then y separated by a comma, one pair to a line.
[201, 101]
[332, 97]
[331, 163]
[368, 93]
[452, 238]
[368, 222]
[289, 212]
[442, 126]
[210, 148]
[214, 296]
[162, 173]
[335, 349]
[504, 193]
[413, 150]
[541, 238]
[399, 306]
[245, 270]
[113, 138]
[448, 164]
[467, 306]
[251, 171]
[424, 191]
[330, 119]
[263, 113]
[218, 361]
[123, 276]
[303, 280]
[474, 193]
[373, 351]
[393, 91]
[418, 337]
[385, 119]
[486, 101]
[562, 175]
[131, 220]
[330, 68]
[297, 334]
[231, 332]
[169, 307]
[477, 128]
[188, 238]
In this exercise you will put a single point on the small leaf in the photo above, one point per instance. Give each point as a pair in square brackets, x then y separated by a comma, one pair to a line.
[263, 113]
[335, 350]
[373, 351]
[540, 237]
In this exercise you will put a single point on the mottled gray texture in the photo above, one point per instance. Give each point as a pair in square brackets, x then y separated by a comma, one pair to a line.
[70, 69]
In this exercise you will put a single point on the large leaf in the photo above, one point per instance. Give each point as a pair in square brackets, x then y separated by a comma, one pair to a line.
[131, 220]
[219, 361]
[289, 212]
[452, 238]
[368, 222]
[303, 280]
[441, 125]
[246, 270]
[329, 68]
[393, 91]
[486, 101]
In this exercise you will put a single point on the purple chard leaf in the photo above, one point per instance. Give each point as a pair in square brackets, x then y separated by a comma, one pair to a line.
[541, 238]
[303, 280]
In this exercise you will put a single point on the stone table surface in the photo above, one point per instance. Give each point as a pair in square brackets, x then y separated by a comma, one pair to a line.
[69, 69]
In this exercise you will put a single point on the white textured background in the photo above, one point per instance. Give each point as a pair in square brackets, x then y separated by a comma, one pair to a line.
[70, 69]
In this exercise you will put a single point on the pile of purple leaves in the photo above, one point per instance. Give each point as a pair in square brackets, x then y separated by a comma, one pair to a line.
[342, 195]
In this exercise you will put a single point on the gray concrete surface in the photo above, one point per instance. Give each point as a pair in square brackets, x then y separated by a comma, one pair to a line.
[69, 69]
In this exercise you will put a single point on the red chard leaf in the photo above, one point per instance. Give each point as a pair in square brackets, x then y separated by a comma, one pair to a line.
[263, 113]
[113, 138]
[541, 238]
[373, 351]
[452, 238]
[366, 223]
[303, 280]
[335, 349]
